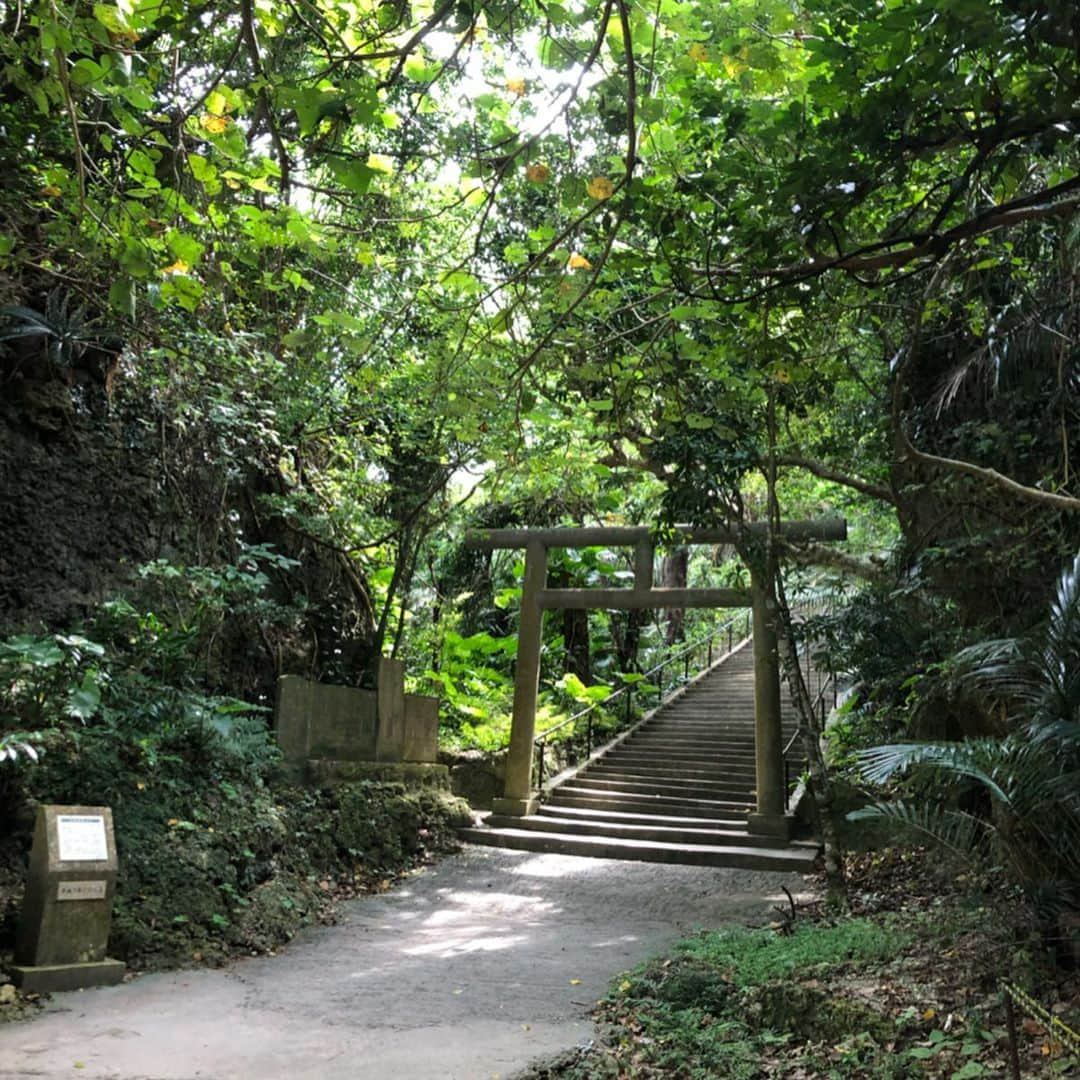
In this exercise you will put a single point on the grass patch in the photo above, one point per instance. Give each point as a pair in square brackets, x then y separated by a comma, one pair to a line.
[882, 995]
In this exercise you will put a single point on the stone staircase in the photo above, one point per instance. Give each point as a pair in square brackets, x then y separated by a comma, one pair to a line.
[677, 788]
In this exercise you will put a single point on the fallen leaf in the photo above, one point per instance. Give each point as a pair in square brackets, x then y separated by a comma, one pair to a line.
[929, 1014]
[575, 982]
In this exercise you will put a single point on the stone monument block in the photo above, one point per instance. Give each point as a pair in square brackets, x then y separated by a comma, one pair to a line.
[317, 720]
[390, 740]
[67, 910]
[421, 728]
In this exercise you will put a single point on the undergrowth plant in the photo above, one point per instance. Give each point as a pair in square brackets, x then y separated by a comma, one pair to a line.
[1016, 799]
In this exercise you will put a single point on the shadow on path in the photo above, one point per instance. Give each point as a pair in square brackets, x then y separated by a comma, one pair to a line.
[467, 971]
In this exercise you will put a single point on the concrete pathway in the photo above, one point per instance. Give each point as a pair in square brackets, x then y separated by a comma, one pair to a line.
[468, 971]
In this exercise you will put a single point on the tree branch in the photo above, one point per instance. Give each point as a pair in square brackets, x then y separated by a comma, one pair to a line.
[992, 476]
[251, 40]
[879, 256]
[875, 491]
[869, 569]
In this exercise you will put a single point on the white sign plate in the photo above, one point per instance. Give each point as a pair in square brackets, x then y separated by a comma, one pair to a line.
[82, 837]
[81, 890]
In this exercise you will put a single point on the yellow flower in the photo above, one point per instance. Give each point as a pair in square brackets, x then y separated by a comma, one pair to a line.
[516, 87]
[600, 187]
[216, 125]
[698, 53]
[178, 267]
[578, 262]
[537, 173]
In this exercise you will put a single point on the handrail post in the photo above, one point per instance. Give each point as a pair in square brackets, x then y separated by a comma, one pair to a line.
[588, 735]
[541, 746]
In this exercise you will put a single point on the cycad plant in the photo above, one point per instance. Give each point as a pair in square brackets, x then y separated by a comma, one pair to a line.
[1016, 798]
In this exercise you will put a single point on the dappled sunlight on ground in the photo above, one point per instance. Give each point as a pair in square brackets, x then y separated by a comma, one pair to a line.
[480, 963]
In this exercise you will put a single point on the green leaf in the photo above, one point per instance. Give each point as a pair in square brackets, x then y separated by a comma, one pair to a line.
[355, 176]
[84, 701]
[184, 247]
[122, 296]
[86, 72]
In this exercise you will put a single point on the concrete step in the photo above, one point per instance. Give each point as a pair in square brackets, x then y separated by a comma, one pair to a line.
[628, 804]
[663, 774]
[588, 813]
[651, 775]
[574, 794]
[660, 744]
[690, 757]
[647, 786]
[797, 860]
[635, 831]
[704, 767]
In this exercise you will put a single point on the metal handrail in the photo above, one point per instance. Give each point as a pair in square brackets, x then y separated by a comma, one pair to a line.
[540, 740]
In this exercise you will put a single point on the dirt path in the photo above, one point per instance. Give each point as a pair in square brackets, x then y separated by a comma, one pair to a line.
[468, 971]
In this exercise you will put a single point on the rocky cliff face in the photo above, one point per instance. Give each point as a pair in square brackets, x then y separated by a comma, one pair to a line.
[78, 501]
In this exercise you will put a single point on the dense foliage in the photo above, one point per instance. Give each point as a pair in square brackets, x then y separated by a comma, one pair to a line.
[294, 292]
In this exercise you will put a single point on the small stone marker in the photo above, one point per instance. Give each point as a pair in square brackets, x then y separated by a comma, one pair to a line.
[67, 910]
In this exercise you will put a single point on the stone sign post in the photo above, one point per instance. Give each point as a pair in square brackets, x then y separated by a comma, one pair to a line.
[67, 910]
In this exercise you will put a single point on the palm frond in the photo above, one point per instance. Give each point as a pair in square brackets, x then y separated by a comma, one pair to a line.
[1060, 653]
[1003, 670]
[961, 833]
[973, 759]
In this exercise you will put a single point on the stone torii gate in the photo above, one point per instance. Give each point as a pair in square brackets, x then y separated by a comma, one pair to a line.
[519, 798]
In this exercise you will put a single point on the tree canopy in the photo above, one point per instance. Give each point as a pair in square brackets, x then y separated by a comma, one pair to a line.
[398, 241]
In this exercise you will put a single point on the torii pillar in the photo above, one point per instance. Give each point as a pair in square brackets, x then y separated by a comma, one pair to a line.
[519, 799]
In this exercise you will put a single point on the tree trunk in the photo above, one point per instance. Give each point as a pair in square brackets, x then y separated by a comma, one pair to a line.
[673, 575]
[811, 730]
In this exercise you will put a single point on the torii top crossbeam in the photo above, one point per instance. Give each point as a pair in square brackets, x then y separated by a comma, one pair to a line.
[643, 594]
[632, 535]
